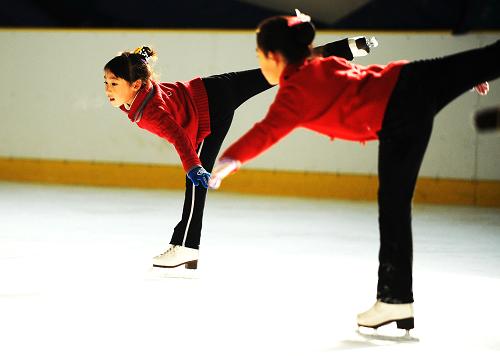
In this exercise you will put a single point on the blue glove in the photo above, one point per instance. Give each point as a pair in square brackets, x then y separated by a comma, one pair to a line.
[199, 175]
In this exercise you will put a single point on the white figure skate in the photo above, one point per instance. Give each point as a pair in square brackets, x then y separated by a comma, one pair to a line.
[176, 256]
[384, 313]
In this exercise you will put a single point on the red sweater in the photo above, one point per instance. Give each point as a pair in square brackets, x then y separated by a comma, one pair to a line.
[328, 95]
[177, 112]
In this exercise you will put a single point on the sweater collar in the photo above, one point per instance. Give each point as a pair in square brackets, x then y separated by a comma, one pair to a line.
[139, 98]
[127, 106]
[290, 70]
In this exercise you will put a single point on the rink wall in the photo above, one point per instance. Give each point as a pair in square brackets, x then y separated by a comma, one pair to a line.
[57, 127]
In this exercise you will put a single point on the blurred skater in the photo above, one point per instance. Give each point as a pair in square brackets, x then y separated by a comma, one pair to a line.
[394, 103]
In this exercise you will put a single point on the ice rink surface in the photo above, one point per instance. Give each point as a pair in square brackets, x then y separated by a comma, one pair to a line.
[276, 276]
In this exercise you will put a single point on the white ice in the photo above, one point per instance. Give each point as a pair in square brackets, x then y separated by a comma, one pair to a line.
[277, 276]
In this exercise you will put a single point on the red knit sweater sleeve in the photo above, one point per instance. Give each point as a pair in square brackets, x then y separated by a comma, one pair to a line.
[170, 130]
[283, 116]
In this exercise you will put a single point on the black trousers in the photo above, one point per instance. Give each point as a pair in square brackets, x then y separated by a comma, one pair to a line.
[226, 92]
[423, 89]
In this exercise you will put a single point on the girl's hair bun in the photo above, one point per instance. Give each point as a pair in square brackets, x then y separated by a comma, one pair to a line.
[145, 52]
[302, 28]
[303, 33]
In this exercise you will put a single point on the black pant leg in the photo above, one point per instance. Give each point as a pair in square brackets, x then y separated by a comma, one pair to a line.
[337, 48]
[188, 230]
[399, 163]
[404, 137]
[448, 77]
[423, 89]
[226, 92]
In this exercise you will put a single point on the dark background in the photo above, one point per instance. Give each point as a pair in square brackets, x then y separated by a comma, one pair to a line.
[458, 16]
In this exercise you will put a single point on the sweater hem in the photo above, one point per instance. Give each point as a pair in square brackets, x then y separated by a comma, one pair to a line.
[200, 98]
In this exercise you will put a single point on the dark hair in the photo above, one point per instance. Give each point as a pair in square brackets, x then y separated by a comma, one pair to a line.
[287, 35]
[132, 66]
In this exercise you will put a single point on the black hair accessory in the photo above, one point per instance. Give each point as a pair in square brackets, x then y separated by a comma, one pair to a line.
[144, 52]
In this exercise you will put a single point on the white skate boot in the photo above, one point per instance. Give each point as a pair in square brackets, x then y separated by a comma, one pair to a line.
[361, 46]
[176, 256]
[383, 313]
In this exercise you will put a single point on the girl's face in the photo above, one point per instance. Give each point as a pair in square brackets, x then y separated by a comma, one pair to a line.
[118, 90]
[271, 65]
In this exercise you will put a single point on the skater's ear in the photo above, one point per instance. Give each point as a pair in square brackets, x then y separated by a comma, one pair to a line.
[276, 57]
[272, 64]
[137, 85]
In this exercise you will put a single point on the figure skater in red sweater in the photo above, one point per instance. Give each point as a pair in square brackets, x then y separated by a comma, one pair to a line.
[394, 103]
[195, 117]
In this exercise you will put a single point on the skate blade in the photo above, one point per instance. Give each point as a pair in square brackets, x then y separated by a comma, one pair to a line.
[177, 272]
[371, 334]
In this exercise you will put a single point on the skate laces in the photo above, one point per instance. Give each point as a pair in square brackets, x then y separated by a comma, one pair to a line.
[169, 251]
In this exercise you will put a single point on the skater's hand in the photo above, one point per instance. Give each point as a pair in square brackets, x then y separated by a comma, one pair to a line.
[222, 169]
[482, 89]
[199, 175]
[361, 46]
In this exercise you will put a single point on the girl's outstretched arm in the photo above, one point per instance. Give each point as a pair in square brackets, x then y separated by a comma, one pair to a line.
[283, 117]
